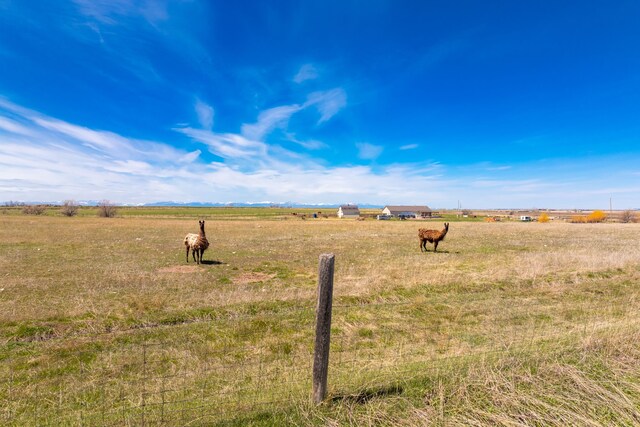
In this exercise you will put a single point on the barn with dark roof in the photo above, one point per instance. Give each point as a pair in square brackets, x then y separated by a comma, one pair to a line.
[408, 211]
[348, 211]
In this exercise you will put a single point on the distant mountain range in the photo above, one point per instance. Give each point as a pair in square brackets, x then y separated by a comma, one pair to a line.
[204, 204]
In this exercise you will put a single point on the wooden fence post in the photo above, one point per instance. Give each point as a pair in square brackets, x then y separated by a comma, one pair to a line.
[323, 327]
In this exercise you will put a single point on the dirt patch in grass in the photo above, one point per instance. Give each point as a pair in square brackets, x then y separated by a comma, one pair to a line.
[246, 278]
[179, 269]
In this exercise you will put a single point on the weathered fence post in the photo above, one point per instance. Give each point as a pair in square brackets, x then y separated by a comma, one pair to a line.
[323, 327]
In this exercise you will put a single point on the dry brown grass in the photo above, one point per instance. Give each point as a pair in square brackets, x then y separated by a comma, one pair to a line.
[68, 284]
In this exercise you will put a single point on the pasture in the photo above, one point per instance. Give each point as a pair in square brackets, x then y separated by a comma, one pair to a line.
[102, 322]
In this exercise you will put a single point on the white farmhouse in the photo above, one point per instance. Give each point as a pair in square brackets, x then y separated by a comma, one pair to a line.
[348, 211]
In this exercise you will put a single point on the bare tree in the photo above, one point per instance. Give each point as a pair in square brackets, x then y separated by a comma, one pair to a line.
[69, 208]
[628, 216]
[106, 209]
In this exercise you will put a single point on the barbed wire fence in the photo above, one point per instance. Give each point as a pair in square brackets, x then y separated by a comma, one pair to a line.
[237, 365]
[164, 375]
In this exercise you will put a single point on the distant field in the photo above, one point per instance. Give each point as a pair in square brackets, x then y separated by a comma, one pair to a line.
[180, 212]
[102, 322]
[221, 213]
[282, 213]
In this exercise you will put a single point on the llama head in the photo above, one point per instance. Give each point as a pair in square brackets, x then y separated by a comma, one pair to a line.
[201, 225]
[446, 227]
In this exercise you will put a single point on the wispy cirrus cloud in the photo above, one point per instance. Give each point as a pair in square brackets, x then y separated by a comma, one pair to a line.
[108, 143]
[228, 146]
[268, 120]
[328, 103]
[11, 126]
[190, 157]
[43, 158]
[110, 11]
[309, 144]
[409, 147]
[205, 113]
[306, 72]
[368, 151]
[250, 142]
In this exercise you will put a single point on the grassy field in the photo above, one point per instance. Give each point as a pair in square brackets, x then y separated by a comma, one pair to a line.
[102, 322]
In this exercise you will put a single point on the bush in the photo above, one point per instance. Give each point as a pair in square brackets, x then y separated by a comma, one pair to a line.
[69, 208]
[596, 216]
[543, 217]
[33, 209]
[629, 216]
[578, 218]
[106, 209]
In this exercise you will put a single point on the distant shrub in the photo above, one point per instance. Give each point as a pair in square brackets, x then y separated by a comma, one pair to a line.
[544, 217]
[33, 209]
[578, 218]
[593, 217]
[106, 209]
[69, 208]
[629, 216]
[596, 216]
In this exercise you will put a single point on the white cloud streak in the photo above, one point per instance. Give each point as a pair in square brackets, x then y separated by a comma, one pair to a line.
[226, 145]
[310, 144]
[328, 103]
[306, 72]
[42, 158]
[368, 151]
[268, 120]
[205, 114]
[111, 11]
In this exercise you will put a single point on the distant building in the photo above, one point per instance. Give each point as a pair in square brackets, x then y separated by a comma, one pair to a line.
[408, 211]
[348, 211]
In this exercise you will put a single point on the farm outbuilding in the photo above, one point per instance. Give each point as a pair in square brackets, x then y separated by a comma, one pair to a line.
[348, 211]
[408, 211]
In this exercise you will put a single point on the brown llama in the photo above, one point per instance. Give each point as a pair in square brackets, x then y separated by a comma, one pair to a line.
[432, 236]
[198, 243]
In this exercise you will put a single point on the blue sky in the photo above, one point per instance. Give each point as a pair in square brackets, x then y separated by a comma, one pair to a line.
[491, 104]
